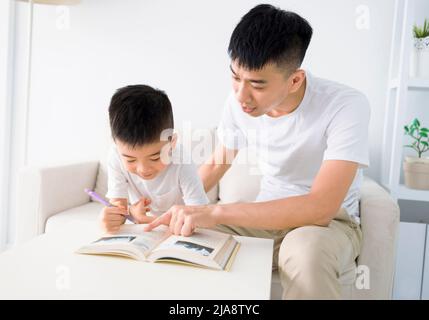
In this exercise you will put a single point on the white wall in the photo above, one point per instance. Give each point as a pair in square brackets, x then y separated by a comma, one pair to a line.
[180, 47]
[6, 45]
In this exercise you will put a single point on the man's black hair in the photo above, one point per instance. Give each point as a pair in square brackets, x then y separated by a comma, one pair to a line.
[139, 114]
[267, 34]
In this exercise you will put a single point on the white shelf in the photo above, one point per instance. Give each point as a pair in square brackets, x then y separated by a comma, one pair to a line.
[413, 83]
[399, 86]
[406, 193]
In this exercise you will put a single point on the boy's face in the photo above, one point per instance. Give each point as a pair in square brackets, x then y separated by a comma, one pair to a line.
[146, 161]
[265, 91]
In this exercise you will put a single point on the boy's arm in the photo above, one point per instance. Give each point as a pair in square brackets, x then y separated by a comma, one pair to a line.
[119, 202]
[113, 217]
[215, 167]
[117, 184]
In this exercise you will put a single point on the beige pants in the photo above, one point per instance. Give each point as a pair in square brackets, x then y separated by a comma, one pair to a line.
[311, 259]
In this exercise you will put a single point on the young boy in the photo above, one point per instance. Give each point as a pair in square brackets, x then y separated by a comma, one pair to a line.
[144, 169]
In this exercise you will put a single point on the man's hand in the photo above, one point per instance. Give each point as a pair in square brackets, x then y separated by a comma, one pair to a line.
[139, 209]
[182, 220]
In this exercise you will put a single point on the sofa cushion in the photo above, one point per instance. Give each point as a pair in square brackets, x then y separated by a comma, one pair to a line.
[379, 223]
[85, 216]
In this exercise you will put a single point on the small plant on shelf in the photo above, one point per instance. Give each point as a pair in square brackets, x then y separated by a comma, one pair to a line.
[421, 32]
[420, 55]
[419, 135]
[416, 169]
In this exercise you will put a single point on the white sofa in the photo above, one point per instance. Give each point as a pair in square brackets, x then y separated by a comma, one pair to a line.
[52, 198]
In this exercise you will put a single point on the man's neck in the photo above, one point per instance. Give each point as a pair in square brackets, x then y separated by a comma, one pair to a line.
[292, 102]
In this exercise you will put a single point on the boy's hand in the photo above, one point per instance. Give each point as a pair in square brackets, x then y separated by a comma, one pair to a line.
[113, 217]
[139, 209]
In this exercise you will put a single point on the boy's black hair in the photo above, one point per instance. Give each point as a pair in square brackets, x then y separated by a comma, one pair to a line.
[267, 34]
[139, 114]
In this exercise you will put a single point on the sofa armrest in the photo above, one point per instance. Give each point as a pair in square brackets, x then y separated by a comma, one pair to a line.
[45, 191]
[380, 224]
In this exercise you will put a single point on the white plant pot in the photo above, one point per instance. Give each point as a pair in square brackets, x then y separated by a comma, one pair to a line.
[419, 67]
[416, 173]
[417, 160]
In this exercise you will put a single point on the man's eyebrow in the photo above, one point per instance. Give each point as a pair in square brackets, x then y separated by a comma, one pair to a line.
[256, 81]
[125, 155]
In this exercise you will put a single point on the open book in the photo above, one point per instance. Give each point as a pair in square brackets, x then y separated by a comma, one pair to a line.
[204, 248]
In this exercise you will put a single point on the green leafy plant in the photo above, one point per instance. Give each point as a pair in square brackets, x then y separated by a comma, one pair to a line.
[419, 135]
[421, 32]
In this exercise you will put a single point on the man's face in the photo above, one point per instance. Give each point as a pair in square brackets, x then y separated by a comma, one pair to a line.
[260, 92]
[146, 161]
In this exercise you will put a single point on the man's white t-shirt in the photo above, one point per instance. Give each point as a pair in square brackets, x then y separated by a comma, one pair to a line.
[331, 123]
[177, 184]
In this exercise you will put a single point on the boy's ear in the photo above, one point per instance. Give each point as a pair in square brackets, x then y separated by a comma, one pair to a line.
[173, 140]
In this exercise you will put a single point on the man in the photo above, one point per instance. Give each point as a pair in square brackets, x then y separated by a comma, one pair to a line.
[313, 142]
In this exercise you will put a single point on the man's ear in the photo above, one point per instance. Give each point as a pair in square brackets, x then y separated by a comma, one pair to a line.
[296, 80]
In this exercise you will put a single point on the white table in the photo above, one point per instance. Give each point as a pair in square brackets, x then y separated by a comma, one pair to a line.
[47, 268]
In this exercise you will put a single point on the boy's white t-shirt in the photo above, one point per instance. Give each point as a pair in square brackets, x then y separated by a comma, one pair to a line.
[331, 123]
[177, 184]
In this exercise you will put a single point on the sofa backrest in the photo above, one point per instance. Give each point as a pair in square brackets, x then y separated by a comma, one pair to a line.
[241, 182]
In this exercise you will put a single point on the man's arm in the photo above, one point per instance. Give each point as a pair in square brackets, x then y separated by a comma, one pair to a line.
[215, 167]
[318, 207]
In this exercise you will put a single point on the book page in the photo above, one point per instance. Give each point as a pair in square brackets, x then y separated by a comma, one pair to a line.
[203, 242]
[134, 234]
[205, 247]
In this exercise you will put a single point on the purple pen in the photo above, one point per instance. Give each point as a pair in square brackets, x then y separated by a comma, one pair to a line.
[96, 197]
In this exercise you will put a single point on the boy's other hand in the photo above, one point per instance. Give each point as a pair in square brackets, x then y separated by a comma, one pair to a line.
[113, 217]
[139, 211]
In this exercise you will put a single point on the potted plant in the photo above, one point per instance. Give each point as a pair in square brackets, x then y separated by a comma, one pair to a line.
[416, 169]
[420, 55]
